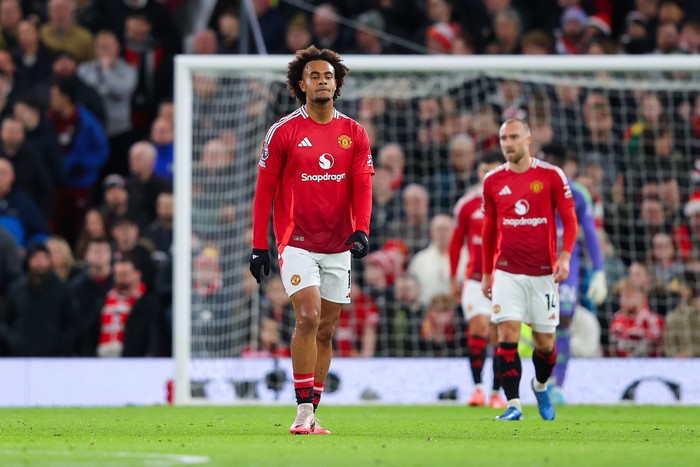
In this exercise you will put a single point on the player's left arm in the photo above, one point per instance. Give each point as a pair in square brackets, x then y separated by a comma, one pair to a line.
[564, 204]
[361, 178]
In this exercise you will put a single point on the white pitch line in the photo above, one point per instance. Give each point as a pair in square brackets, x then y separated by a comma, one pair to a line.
[150, 458]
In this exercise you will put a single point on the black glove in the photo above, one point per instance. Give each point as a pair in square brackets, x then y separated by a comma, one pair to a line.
[258, 259]
[360, 244]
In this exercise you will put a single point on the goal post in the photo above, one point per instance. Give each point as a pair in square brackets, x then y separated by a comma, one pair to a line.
[214, 183]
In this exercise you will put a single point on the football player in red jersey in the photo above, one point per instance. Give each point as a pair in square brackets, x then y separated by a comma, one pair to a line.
[519, 235]
[468, 219]
[316, 165]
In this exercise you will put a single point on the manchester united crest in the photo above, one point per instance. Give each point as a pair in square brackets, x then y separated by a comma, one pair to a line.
[295, 280]
[344, 141]
[496, 309]
[536, 186]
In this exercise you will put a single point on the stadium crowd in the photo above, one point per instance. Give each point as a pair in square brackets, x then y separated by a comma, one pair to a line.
[86, 170]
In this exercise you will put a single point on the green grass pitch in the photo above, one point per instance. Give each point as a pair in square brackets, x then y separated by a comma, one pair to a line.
[441, 435]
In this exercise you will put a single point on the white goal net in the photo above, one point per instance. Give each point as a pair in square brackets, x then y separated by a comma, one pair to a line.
[630, 125]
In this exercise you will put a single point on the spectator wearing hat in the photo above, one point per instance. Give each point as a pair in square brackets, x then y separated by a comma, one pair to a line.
[19, 214]
[31, 172]
[32, 58]
[572, 36]
[440, 37]
[85, 150]
[637, 38]
[144, 184]
[37, 318]
[62, 32]
[41, 135]
[115, 199]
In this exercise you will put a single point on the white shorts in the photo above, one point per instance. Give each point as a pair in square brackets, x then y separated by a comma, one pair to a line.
[330, 272]
[528, 299]
[473, 301]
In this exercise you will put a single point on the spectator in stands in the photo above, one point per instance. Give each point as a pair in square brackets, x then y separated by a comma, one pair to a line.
[37, 318]
[368, 34]
[507, 29]
[356, 330]
[635, 330]
[413, 225]
[540, 118]
[153, 60]
[600, 142]
[671, 11]
[32, 58]
[144, 184]
[131, 320]
[94, 227]
[228, 32]
[115, 81]
[440, 38]
[298, 34]
[431, 266]
[378, 267]
[10, 18]
[682, 325]
[689, 39]
[18, 212]
[328, 33]
[10, 262]
[440, 328]
[113, 14]
[85, 149]
[160, 231]
[667, 39]
[508, 100]
[651, 115]
[665, 266]
[40, 133]
[401, 322]
[537, 42]
[115, 203]
[89, 290]
[62, 260]
[272, 28]
[163, 140]
[65, 67]
[386, 205]
[204, 42]
[637, 38]
[31, 174]
[211, 317]
[62, 32]
[127, 242]
[572, 37]
[451, 182]
[10, 87]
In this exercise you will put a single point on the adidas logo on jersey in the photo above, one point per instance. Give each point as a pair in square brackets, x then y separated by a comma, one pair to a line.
[305, 143]
[505, 191]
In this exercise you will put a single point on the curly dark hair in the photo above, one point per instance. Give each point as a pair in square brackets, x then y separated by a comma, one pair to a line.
[295, 70]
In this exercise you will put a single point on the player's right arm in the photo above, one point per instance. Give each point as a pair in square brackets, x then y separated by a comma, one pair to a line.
[269, 170]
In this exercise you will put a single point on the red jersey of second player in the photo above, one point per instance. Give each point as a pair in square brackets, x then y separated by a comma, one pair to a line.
[314, 163]
[524, 205]
[470, 220]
